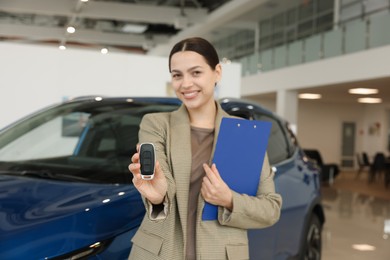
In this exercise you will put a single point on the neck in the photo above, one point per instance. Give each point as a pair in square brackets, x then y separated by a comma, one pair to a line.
[204, 117]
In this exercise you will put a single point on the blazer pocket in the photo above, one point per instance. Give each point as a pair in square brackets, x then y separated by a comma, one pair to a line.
[237, 252]
[150, 242]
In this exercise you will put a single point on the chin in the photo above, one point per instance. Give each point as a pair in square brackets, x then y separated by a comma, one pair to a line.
[191, 104]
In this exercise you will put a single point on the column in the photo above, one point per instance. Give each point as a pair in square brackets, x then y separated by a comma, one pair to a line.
[287, 106]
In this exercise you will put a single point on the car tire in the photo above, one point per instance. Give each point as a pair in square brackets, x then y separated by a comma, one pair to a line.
[313, 241]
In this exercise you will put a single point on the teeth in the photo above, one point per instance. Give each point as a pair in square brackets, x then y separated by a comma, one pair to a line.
[190, 94]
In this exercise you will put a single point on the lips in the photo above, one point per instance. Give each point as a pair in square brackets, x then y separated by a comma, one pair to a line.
[190, 94]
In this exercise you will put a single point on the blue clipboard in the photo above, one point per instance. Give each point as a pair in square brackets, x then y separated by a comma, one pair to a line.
[239, 155]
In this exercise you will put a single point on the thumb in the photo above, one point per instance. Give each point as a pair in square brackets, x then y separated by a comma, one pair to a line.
[157, 168]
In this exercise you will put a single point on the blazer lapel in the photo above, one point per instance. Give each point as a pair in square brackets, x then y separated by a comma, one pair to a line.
[181, 159]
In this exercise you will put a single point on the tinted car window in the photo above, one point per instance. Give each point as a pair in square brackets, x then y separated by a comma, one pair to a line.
[279, 146]
[87, 141]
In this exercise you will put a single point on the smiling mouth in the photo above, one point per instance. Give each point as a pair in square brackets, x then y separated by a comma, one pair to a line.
[190, 94]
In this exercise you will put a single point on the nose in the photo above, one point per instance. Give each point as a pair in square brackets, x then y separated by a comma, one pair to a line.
[187, 81]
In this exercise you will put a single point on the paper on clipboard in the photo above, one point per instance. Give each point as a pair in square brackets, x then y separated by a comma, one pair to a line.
[239, 156]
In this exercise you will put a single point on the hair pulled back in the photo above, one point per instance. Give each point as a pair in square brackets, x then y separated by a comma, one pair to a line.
[198, 45]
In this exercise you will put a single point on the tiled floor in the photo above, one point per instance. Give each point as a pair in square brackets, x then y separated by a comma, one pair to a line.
[357, 219]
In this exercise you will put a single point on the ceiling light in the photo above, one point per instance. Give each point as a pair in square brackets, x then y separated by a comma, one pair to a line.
[363, 247]
[104, 50]
[62, 47]
[84, 1]
[363, 91]
[70, 29]
[309, 96]
[134, 28]
[370, 100]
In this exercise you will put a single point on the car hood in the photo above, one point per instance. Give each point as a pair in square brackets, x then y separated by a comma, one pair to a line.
[48, 218]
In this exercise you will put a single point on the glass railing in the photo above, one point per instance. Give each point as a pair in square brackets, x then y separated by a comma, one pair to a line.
[351, 37]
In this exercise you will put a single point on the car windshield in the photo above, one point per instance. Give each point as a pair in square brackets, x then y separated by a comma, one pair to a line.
[80, 141]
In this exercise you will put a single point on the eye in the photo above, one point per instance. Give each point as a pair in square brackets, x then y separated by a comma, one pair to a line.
[196, 73]
[175, 75]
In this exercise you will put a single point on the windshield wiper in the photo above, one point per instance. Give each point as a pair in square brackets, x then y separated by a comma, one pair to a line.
[46, 174]
[33, 173]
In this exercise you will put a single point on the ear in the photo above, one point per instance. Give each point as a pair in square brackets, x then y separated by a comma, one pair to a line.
[218, 72]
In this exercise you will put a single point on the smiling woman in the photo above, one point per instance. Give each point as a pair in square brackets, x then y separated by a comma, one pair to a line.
[185, 178]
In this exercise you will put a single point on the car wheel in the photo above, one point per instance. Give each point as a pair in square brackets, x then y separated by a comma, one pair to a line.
[313, 242]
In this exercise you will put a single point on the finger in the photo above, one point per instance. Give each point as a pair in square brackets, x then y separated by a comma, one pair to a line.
[215, 171]
[135, 158]
[207, 183]
[205, 188]
[204, 192]
[137, 180]
[134, 168]
[157, 170]
[210, 173]
[157, 167]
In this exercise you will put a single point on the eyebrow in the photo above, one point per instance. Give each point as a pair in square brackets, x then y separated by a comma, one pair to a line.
[192, 68]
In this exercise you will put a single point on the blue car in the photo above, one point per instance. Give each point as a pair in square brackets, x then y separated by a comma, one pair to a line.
[66, 192]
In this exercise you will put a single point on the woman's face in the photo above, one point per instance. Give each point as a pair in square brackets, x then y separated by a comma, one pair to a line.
[193, 79]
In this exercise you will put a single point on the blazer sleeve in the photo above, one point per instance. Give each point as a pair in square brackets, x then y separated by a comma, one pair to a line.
[154, 129]
[258, 211]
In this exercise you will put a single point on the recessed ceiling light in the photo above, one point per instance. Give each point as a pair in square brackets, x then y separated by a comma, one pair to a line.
[363, 91]
[134, 28]
[70, 29]
[309, 96]
[62, 47]
[104, 51]
[370, 100]
[363, 247]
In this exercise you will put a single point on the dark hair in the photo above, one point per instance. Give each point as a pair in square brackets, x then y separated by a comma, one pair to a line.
[198, 45]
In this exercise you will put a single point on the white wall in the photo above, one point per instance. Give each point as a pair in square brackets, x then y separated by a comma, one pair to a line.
[36, 76]
[320, 126]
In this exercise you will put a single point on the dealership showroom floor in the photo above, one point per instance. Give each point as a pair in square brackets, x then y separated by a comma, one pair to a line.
[357, 218]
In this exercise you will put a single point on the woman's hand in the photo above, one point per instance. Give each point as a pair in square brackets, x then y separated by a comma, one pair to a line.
[214, 190]
[153, 190]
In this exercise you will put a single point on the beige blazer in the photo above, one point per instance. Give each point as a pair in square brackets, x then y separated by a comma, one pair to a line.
[162, 235]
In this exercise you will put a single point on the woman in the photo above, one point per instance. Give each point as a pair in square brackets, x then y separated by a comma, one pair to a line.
[172, 228]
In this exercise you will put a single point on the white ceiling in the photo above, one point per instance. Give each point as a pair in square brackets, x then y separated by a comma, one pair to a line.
[99, 23]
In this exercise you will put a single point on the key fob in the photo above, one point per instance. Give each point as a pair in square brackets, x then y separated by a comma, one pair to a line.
[147, 160]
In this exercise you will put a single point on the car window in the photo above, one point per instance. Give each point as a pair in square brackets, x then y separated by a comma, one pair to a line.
[279, 148]
[90, 142]
[40, 140]
[282, 141]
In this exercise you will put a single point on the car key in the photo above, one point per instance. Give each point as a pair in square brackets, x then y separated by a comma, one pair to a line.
[147, 160]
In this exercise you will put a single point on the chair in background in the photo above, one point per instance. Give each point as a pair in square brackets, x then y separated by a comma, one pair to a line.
[363, 163]
[387, 173]
[328, 171]
[377, 167]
